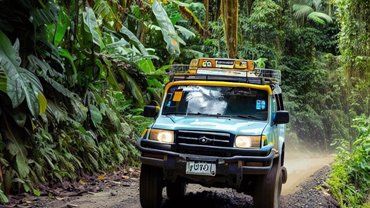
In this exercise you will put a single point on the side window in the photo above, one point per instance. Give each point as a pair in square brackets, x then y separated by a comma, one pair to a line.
[279, 101]
[274, 104]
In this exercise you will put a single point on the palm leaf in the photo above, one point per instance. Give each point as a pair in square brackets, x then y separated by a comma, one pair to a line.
[21, 83]
[320, 18]
[301, 10]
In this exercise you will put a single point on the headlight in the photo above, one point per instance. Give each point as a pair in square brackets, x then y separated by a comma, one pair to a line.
[248, 141]
[163, 136]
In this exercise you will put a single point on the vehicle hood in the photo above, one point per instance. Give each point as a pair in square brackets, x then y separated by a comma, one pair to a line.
[203, 123]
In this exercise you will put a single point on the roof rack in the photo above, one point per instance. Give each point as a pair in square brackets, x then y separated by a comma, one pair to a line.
[233, 70]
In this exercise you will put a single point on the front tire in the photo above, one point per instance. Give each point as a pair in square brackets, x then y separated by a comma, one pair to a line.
[151, 185]
[268, 189]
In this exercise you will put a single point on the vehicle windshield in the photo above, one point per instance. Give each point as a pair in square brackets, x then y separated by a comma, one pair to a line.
[219, 101]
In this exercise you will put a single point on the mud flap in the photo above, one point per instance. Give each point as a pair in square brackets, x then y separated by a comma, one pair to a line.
[284, 174]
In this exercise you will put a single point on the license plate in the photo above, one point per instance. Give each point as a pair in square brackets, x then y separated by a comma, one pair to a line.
[200, 168]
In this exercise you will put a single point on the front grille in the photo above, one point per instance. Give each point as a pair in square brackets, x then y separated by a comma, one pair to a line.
[204, 138]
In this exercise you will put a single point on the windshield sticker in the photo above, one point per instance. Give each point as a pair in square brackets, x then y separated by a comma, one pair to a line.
[177, 96]
[260, 105]
[189, 88]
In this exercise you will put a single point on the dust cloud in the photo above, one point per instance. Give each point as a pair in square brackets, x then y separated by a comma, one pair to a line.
[301, 162]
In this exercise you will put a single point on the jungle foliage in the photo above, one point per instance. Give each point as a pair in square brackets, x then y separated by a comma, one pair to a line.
[74, 76]
[350, 179]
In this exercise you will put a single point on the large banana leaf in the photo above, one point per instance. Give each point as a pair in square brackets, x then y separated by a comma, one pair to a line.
[187, 34]
[146, 65]
[21, 83]
[134, 39]
[92, 27]
[168, 31]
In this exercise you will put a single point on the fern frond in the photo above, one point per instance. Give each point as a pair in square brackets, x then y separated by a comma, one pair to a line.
[317, 4]
[319, 18]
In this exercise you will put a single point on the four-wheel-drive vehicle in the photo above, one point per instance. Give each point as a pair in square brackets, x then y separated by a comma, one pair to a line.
[221, 124]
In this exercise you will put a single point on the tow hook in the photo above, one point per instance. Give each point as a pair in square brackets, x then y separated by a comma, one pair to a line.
[284, 174]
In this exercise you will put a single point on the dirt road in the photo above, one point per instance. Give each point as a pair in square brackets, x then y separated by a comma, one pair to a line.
[305, 173]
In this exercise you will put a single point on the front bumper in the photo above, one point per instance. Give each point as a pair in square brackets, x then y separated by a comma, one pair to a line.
[240, 162]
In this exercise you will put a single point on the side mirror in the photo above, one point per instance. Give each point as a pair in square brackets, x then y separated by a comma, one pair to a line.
[281, 117]
[150, 111]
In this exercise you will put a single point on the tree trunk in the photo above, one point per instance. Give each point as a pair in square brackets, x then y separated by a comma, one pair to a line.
[206, 20]
[229, 15]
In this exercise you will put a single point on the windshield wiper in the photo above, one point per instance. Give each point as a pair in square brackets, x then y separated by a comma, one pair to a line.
[248, 116]
[174, 113]
[204, 114]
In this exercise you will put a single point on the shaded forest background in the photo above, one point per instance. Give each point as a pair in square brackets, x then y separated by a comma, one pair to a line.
[75, 74]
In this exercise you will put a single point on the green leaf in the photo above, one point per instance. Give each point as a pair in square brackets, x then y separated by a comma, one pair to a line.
[48, 14]
[93, 27]
[65, 53]
[3, 80]
[43, 69]
[57, 112]
[133, 38]
[320, 18]
[43, 103]
[168, 31]
[3, 198]
[302, 10]
[36, 192]
[96, 116]
[17, 149]
[185, 32]
[61, 26]
[145, 65]
[103, 9]
[21, 83]
[133, 86]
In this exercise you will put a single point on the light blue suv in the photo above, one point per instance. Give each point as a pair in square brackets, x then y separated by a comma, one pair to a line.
[221, 124]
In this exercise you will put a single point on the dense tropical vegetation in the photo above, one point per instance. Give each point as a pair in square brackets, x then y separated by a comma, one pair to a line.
[75, 74]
